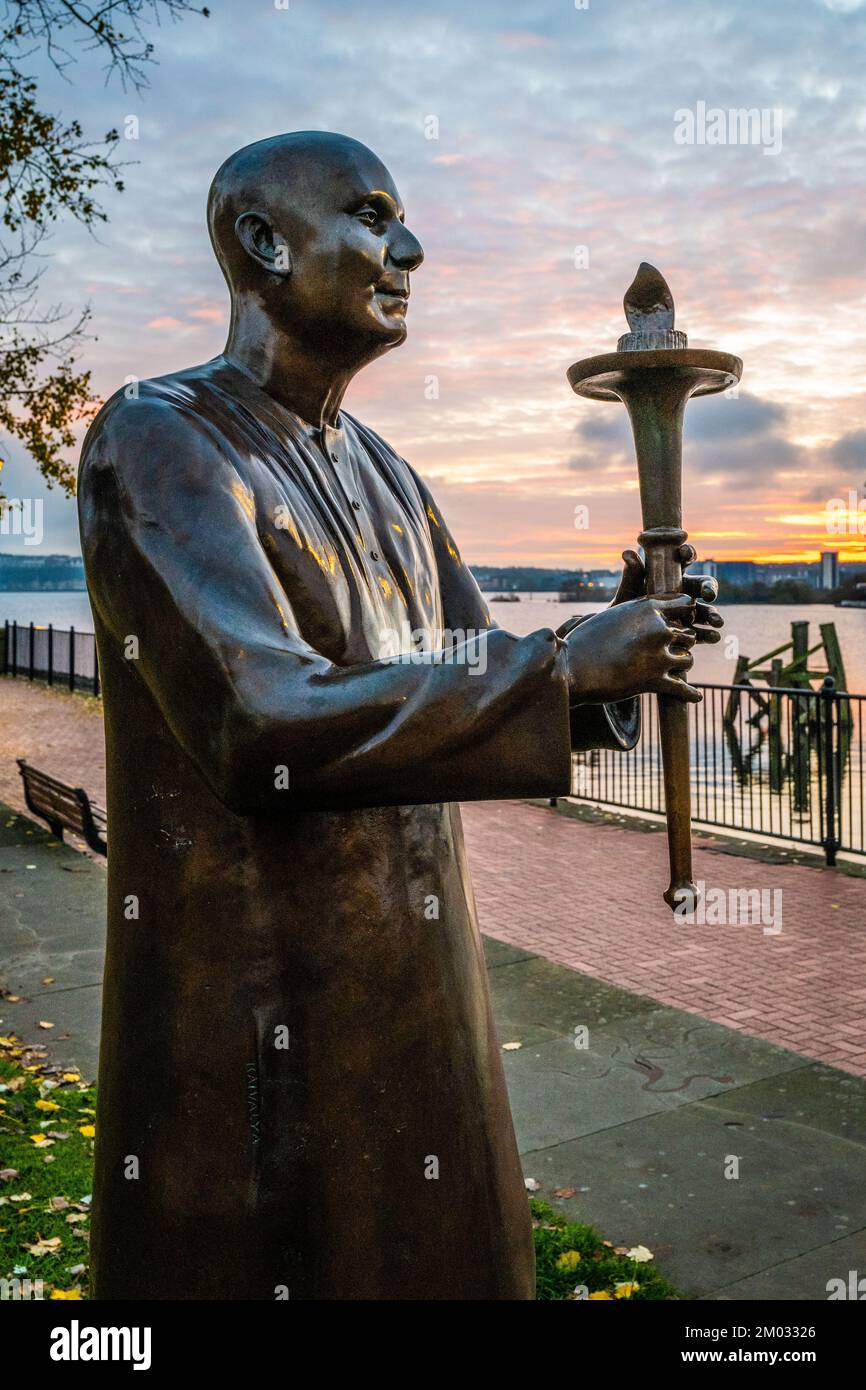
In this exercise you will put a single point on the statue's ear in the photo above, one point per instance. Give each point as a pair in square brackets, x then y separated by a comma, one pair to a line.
[266, 246]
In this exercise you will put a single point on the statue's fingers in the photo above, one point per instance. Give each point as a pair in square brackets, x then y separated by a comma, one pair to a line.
[680, 660]
[678, 607]
[706, 634]
[679, 689]
[705, 613]
[684, 637]
[701, 586]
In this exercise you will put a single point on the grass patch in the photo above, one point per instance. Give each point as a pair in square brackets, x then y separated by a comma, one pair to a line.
[46, 1166]
[570, 1256]
[45, 1183]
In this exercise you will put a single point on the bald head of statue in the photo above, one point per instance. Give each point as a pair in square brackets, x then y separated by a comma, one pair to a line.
[309, 231]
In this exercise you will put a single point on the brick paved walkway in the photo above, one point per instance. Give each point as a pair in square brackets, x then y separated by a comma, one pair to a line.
[57, 731]
[589, 897]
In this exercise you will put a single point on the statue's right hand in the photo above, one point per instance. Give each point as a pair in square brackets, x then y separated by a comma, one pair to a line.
[641, 645]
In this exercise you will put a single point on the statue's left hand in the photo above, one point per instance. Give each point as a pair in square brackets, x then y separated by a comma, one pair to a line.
[701, 587]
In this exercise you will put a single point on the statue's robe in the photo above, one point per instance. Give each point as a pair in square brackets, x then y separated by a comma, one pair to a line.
[300, 1087]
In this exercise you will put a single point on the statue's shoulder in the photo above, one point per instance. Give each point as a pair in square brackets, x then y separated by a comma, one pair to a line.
[166, 413]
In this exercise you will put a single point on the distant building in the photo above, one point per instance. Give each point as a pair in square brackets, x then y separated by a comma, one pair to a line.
[737, 571]
[829, 569]
[23, 573]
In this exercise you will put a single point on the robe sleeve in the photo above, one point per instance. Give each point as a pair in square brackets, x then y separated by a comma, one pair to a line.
[615, 726]
[174, 559]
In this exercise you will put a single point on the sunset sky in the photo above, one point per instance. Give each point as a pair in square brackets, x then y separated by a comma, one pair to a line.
[556, 130]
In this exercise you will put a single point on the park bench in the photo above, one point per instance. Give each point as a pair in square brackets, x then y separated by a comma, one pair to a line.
[64, 807]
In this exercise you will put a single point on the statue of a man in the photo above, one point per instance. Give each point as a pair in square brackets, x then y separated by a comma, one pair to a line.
[301, 1092]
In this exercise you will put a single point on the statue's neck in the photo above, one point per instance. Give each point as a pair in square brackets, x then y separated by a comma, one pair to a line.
[287, 370]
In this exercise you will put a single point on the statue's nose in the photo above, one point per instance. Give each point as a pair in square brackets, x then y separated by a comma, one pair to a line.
[406, 250]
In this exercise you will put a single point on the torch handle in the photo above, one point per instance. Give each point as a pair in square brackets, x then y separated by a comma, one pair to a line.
[664, 577]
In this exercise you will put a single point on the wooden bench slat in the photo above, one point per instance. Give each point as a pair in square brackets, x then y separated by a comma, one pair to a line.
[64, 806]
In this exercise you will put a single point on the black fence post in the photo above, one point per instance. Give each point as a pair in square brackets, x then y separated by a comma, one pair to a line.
[15, 648]
[31, 650]
[829, 705]
[50, 653]
[72, 658]
[6, 649]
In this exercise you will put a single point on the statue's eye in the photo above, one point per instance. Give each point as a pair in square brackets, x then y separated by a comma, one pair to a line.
[369, 216]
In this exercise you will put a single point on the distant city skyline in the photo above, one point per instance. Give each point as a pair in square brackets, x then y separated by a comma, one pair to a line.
[538, 165]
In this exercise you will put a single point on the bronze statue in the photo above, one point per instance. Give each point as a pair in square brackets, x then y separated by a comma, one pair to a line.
[301, 1091]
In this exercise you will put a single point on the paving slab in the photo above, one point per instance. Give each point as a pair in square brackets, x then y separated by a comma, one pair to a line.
[655, 1062]
[807, 1276]
[661, 1181]
[52, 926]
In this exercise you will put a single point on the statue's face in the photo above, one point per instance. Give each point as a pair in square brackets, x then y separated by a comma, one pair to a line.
[350, 257]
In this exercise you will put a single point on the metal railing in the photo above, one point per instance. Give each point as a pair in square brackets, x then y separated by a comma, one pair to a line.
[781, 763]
[60, 656]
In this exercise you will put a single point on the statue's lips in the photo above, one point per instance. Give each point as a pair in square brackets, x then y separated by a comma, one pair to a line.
[392, 292]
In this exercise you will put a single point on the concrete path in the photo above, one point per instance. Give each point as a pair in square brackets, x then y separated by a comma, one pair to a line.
[52, 928]
[632, 1111]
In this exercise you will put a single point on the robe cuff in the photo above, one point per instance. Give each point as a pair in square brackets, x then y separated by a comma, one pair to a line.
[615, 726]
[529, 753]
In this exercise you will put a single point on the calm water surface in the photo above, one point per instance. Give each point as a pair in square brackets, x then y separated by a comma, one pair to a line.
[758, 626]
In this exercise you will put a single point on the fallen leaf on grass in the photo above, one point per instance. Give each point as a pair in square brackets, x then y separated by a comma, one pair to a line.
[565, 1192]
[59, 1203]
[76, 1216]
[20, 1196]
[40, 1140]
[7, 1174]
[47, 1105]
[49, 980]
[89, 1131]
[65, 1293]
[45, 1247]
[512, 1046]
[70, 1076]
[43, 1023]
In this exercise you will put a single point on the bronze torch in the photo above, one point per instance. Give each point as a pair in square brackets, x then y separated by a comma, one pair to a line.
[654, 373]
